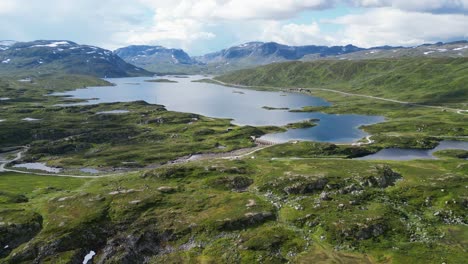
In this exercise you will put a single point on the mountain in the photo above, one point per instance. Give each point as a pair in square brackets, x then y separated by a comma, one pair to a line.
[163, 60]
[260, 53]
[457, 49]
[141, 54]
[256, 53]
[157, 58]
[61, 56]
[6, 44]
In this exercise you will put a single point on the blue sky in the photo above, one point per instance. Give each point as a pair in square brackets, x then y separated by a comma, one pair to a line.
[201, 26]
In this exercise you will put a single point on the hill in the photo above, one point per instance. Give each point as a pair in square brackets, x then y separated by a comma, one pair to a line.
[60, 56]
[422, 80]
[457, 49]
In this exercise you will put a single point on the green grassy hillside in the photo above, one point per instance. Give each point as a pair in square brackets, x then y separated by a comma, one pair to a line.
[430, 81]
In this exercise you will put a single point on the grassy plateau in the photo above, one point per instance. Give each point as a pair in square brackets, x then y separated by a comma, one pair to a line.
[298, 202]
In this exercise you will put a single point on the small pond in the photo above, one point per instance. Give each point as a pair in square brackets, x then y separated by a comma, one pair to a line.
[410, 154]
[38, 166]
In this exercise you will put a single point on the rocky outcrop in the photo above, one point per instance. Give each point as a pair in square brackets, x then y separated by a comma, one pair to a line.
[235, 183]
[133, 248]
[308, 186]
[248, 220]
[13, 234]
[360, 231]
[383, 178]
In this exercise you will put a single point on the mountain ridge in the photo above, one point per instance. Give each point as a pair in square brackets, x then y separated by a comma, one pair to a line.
[63, 56]
[137, 60]
[256, 53]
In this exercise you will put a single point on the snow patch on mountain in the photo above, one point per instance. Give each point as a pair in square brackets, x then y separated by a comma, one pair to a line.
[53, 44]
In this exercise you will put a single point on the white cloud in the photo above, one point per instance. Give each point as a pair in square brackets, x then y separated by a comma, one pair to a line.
[388, 26]
[236, 9]
[181, 23]
[207, 25]
[8, 6]
[438, 6]
[294, 34]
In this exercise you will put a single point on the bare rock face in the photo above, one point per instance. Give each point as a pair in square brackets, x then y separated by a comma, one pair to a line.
[132, 248]
[325, 196]
[235, 183]
[248, 220]
[360, 231]
[383, 178]
[14, 234]
[307, 186]
[370, 231]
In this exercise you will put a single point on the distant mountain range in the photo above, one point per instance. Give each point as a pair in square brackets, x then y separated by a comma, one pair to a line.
[162, 60]
[263, 53]
[457, 49]
[47, 56]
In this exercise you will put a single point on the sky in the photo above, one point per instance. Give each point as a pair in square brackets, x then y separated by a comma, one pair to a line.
[202, 26]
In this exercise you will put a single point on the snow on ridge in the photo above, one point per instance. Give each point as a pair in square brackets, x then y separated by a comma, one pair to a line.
[7, 43]
[461, 48]
[53, 44]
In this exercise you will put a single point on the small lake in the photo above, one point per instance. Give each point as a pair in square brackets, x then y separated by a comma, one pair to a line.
[38, 166]
[113, 112]
[243, 106]
[410, 154]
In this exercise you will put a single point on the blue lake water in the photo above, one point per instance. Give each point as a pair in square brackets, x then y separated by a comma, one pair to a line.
[243, 106]
[410, 154]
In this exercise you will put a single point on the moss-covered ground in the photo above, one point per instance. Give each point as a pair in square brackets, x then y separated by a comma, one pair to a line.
[298, 203]
[252, 210]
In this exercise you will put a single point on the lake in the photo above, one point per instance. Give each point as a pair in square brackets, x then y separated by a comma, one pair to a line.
[243, 106]
[410, 154]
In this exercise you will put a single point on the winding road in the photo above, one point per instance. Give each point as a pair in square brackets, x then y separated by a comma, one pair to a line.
[236, 154]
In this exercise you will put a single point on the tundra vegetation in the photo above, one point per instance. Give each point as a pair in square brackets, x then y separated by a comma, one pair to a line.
[303, 202]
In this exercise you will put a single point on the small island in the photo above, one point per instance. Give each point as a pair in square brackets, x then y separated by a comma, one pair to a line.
[309, 109]
[161, 81]
[303, 124]
[275, 108]
[206, 80]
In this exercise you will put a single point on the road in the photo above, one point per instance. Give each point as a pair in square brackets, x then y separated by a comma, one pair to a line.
[236, 154]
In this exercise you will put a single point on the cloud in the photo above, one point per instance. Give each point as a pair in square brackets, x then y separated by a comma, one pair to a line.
[432, 6]
[294, 34]
[184, 23]
[389, 26]
[178, 32]
[84, 21]
[236, 9]
[8, 6]
[206, 25]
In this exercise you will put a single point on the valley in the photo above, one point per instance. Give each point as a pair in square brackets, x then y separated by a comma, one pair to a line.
[277, 168]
